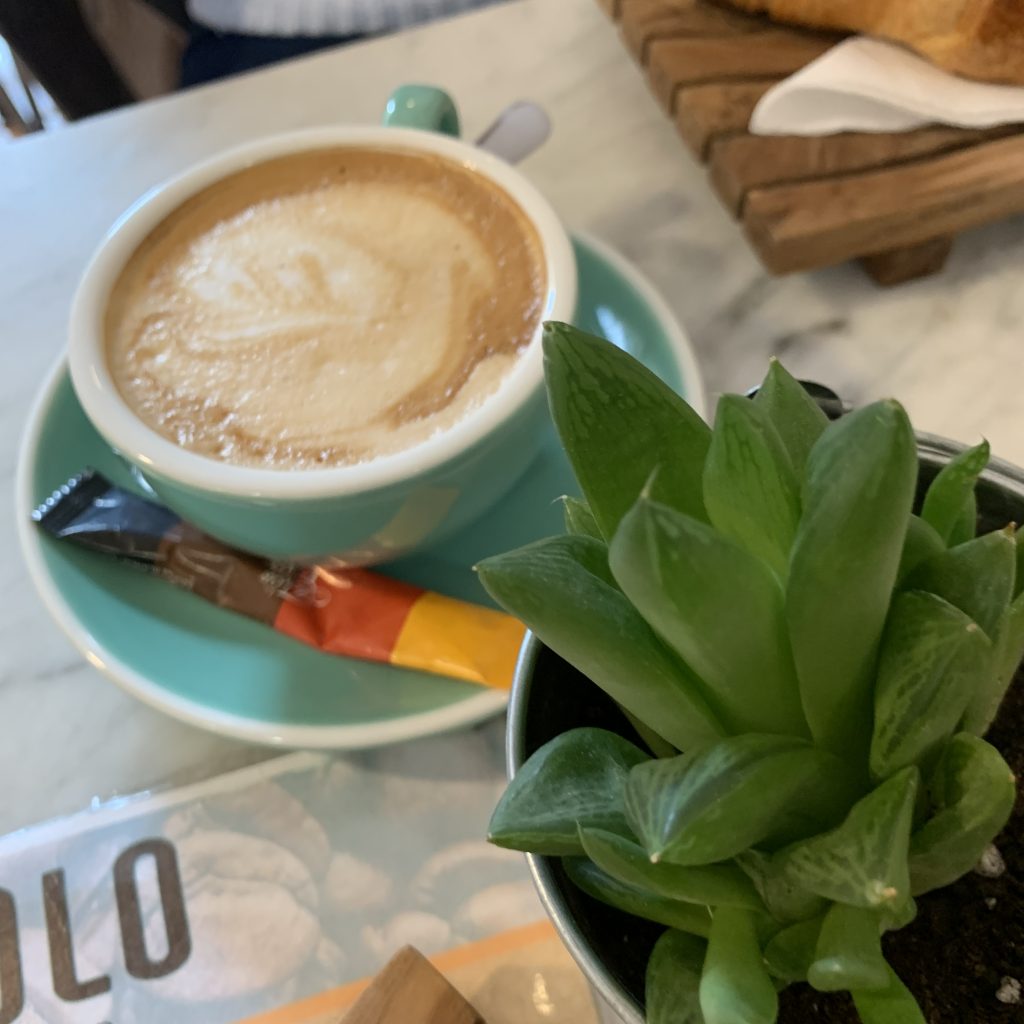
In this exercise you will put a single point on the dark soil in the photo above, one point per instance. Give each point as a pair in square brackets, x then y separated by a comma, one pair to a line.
[967, 937]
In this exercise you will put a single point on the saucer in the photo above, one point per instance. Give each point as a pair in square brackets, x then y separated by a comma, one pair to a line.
[219, 671]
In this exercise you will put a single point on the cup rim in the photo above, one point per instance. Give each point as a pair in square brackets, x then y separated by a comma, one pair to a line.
[142, 445]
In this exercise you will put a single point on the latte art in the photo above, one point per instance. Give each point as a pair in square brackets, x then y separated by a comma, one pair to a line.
[325, 308]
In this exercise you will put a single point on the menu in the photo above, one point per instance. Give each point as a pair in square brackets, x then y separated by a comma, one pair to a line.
[271, 895]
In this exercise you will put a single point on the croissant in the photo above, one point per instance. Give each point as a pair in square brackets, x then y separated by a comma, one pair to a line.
[981, 39]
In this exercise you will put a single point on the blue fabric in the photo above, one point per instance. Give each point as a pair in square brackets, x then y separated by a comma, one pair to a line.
[213, 55]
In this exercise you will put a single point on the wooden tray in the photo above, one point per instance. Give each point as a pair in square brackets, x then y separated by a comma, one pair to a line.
[894, 201]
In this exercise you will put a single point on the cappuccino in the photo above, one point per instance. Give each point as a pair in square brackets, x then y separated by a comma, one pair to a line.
[325, 308]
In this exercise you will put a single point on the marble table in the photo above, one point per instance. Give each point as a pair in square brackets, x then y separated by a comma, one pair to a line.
[951, 347]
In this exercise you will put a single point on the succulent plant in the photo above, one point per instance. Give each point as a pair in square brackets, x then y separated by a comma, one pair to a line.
[810, 664]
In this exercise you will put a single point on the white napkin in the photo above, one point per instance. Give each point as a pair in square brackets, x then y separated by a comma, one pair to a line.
[867, 85]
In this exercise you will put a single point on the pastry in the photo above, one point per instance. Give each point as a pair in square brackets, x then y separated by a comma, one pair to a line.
[981, 39]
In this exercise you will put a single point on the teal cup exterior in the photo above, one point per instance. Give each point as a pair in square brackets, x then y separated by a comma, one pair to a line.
[375, 525]
[360, 514]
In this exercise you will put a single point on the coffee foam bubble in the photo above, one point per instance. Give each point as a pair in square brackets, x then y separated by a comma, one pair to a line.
[326, 308]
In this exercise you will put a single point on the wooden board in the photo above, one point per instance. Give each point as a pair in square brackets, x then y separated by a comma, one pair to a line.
[651, 20]
[411, 991]
[817, 223]
[741, 163]
[675, 63]
[895, 201]
[706, 112]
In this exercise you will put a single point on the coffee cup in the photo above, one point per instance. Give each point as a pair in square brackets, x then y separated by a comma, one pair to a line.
[283, 447]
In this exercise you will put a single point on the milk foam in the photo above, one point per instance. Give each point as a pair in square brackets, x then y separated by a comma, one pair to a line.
[350, 315]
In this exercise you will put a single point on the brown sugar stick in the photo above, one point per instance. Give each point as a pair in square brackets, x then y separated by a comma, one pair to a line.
[411, 991]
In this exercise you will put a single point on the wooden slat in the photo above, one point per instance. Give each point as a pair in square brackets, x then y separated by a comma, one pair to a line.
[705, 112]
[820, 223]
[744, 162]
[901, 265]
[410, 991]
[644, 21]
[675, 63]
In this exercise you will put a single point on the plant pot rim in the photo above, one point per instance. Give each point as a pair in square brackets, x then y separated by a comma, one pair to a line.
[933, 450]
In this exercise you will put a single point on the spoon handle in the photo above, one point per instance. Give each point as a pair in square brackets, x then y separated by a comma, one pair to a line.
[519, 130]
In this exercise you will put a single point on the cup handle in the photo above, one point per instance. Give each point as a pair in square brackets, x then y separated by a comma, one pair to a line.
[422, 106]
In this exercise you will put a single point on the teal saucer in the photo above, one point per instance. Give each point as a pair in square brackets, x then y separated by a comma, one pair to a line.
[221, 672]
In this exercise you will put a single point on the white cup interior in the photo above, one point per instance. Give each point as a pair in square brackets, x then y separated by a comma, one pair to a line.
[123, 430]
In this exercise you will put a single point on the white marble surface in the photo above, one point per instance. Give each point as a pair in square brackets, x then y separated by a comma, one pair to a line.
[951, 347]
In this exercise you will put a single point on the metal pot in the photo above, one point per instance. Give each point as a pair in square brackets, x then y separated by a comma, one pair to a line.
[549, 697]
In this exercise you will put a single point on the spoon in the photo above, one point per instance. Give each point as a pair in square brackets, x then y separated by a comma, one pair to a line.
[518, 131]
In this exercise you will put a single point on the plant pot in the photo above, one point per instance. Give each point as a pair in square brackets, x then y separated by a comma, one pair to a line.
[549, 697]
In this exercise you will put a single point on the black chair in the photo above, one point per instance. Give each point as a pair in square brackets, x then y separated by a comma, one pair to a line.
[53, 40]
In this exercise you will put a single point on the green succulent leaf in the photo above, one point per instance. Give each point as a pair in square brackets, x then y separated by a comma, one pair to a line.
[863, 862]
[673, 979]
[657, 745]
[976, 577]
[849, 951]
[857, 499]
[709, 805]
[922, 542]
[892, 1005]
[750, 487]
[972, 793]
[794, 414]
[562, 589]
[589, 878]
[1012, 635]
[899, 917]
[735, 987]
[719, 607]
[952, 491]
[723, 885]
[619, 424]
[578, 778]
[791, 952]
[931, 659]
[579, 520]
[966, 526]
[985, 702]
[1019, 585]
[784, 898]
